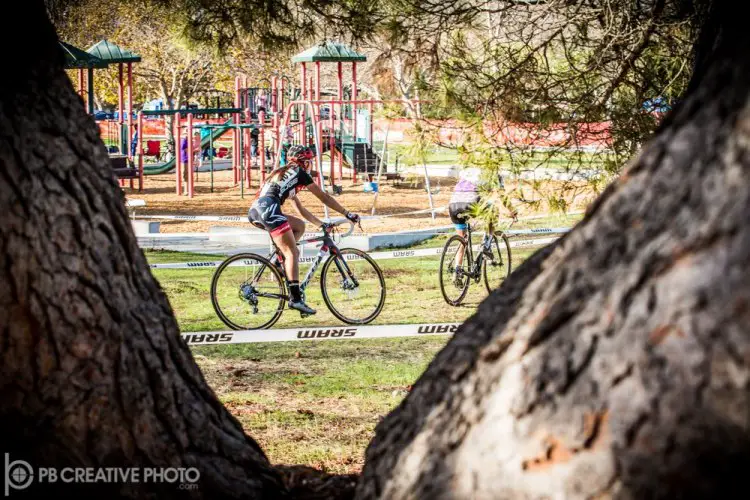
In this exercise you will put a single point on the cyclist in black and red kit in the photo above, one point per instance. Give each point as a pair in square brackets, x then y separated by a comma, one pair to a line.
[265, 212]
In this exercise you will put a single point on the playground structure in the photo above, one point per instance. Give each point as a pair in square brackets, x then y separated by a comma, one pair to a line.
[279, 116]
[117, 134]
[264, 122]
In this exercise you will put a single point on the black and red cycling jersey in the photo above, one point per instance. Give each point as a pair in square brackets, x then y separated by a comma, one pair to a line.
[281, 187]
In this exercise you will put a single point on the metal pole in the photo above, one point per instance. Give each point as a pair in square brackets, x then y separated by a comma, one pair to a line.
[332, 144]
[262, 145]
[139, 150]
[235, 139]
[120, 103]
[240, 158]
[189, 172]
[81, 91]
[317, 80]
[429, 190]
[177, 151]
[90, 83]
[380, 168]
[211, 154]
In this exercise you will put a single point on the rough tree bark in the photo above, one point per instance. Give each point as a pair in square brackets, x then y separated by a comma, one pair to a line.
[93, 372]
[616, 362]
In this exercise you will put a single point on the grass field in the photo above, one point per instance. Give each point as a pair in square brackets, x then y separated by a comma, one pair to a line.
[317, 402]
[557, 160]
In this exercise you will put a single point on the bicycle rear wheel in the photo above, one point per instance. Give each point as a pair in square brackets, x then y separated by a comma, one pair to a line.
[247, 292]
[353, 287]
[497, 264]
[454, 276]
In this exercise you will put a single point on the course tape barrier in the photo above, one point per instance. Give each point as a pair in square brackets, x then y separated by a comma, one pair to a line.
[510, 232]
[243, 218]
[394, 254]
[319, 333]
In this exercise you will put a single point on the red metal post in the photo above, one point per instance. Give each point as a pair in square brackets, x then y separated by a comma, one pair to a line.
[177, 151]
[81, 90]
[262, 145]
[235, 135]
[273, 94]
[248, 158]
[247, 95]
[317, 80]
[190, 179]
[319, 148]
[303, 113]
[139, 150]
[354, 113]
[120, 101]
[331, 143]
[341, 116]
[371, 108]
[130, 103]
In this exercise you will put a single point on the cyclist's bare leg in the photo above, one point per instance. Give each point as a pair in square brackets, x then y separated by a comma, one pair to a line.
[460, 252]
[298, 226]
[287, 245]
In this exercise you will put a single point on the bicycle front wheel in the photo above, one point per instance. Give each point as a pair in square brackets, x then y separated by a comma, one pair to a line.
[247, 292]
[353, 287]
[497, 264]
[454, 270]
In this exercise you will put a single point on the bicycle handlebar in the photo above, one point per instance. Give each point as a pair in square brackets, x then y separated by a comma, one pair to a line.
[338, 222]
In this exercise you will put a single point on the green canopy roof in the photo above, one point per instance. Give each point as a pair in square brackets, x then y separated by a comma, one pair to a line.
[329, 52]
[112, 53]
[76, 58]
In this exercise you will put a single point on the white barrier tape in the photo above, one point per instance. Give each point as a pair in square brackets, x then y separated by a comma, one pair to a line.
[425, 211]
[511, 232]
[243, 218]
[539, 230]
[394, 254]
[544, 216]
[319, 333]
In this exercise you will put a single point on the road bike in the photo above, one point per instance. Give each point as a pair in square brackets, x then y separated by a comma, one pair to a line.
[249, 291]
[458, 266]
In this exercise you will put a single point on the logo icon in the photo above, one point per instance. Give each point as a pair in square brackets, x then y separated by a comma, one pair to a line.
[18, 475]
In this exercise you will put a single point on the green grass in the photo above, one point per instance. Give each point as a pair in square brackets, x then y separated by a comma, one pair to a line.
[557, 160]
[317, 403]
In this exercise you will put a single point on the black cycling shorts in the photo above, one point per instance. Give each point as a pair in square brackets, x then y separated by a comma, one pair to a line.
[457, 213]
[266, 214]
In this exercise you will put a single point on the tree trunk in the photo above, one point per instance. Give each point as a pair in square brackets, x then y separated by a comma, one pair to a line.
[615, 363]
[93, 371]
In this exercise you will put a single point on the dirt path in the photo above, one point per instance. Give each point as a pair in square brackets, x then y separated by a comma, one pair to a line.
[394, 198]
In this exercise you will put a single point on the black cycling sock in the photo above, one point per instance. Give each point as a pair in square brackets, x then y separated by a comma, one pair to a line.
[294, 291]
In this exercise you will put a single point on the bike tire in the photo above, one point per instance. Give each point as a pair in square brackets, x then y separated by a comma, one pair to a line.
[324, 286]
[506, 259]
[453, 302]
[268, 267]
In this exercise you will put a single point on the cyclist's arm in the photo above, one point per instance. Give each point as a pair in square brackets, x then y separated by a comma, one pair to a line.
[326, 198]
[306, 213]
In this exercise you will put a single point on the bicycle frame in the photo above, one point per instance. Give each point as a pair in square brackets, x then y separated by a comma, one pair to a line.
[475, 266]
[328, 247]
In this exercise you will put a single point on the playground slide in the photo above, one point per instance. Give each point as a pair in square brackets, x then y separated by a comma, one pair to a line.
[163, 168]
